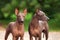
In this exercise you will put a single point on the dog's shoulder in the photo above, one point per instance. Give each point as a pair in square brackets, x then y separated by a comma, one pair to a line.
[12, 23]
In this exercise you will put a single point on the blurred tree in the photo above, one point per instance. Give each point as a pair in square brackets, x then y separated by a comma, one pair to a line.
[2, 4]
[50, 7]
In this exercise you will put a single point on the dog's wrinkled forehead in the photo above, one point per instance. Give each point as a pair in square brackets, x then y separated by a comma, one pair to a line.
[21, 14]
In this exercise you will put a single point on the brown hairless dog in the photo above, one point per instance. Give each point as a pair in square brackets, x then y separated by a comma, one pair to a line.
[17, 27]
[38, 25]
[44, 23]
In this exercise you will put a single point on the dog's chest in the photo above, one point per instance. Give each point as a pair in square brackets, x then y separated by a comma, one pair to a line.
[18, 30]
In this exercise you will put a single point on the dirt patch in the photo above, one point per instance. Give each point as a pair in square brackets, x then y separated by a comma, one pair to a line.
[52, 36]
[2, 28]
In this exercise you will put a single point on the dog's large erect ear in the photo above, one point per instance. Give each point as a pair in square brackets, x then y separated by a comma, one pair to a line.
[37, 10]
[25, 11]
[16, 11]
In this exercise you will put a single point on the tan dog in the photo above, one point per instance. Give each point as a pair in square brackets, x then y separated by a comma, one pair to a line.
[17, 27]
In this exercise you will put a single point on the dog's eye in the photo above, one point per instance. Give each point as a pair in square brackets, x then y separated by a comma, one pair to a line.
[23, 15]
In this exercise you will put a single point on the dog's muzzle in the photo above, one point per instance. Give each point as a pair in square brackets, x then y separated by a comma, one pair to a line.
[22, 21]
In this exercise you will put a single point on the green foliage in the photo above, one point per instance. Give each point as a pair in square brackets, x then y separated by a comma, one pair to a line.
[54, 24]
[50, 7]
[27, 20]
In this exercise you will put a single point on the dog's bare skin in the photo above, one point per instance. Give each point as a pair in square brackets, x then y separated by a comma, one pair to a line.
[44, 21]
[17, 27]
[36, 28]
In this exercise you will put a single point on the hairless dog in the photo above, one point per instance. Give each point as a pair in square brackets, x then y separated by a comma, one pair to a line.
[43, 22]
[38, 25]
[17, 27]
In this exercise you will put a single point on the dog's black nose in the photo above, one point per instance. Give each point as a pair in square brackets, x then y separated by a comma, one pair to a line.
[22, 21]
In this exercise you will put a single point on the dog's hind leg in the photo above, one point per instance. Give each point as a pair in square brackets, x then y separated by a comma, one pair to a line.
[21, 38]
[46, 34]
[35, 38]
[7, 33]
[31, 38]
[15, 38]
[39, 38]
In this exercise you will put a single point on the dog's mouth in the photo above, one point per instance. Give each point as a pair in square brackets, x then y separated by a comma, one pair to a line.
[20, 21]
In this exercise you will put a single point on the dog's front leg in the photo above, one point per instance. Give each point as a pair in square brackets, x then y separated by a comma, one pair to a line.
[21, 38]
[7, 33]
[15, 38]
[35, 38]
[31, 38]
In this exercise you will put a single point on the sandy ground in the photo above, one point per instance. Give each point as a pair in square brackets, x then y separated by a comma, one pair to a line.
[52, 36]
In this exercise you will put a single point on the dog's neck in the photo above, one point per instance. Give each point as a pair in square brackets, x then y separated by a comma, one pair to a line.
[35, 18]
[35, 21]
[19, 23]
